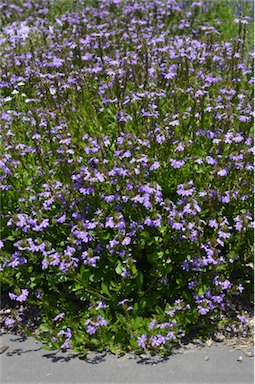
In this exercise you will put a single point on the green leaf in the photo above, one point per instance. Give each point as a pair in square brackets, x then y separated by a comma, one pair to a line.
[139, 281]
[134, 271]
[91, 277]
[75, 287]
[32, 283]
[113, 349]
[138, 351]
[44, 328]
[159, 310]
[107, 236]
[137, 323]
[118, 269]
[133, 342]
[114, 286]
[47, 347]
[105, 289]
[135, 308]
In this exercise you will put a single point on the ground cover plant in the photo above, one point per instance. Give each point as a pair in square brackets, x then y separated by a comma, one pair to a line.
[126, 169]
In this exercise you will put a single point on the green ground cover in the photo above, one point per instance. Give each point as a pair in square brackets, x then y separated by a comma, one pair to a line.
[126, 169]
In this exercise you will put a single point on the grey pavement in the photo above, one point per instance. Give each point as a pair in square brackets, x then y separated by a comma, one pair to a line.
[25, 361]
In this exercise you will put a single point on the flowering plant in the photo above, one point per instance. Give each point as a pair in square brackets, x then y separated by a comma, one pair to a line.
[126, 168]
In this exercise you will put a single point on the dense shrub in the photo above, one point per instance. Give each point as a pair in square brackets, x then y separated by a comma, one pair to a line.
[126, 208]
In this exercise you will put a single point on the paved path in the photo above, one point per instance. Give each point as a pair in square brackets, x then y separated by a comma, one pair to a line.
[25, 361]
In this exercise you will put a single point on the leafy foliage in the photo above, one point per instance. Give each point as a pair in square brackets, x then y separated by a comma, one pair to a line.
[126, 208]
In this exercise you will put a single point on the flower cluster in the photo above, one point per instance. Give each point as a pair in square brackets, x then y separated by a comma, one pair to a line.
[126, 138]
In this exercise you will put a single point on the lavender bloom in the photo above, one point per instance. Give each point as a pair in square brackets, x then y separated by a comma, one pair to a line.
[126, 241]
[210, 160]
[124, 273]
[68, 335]
[152, 324]
[202, 310]
[170, 336]
[93, 326]
[155, 166]
[61, 219]
[242, 319]
[181, 190]
[158, 340]
[225, 284]
[213, 224]
[122, 301]
[22, 297]
[38, 293]
[9, 321]
[162, 100]
[224, 235]
[153, 223]
[222, 172]
[141, 341]
[240, 288]
[59, 316]
[177, 163]
[101, 305]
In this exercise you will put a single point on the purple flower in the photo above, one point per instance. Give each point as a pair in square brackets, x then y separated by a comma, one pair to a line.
[109, 222]
[101, 305]
[153, 223]
[9, 321]
[177, 163]
[171, 73]
[240, 288]
[59, 316]
[191, 284]
[170, 336]
[61, 219]
[122, 301]
[202, 310]
[157, 340]
[181, 190]
[213, 223]
[67, 334]
[175, 225]
[224, 235]
[126, 241]
[210, 160]
[179, 148]
[124, 273]
[154, 166]
[141, 341]
[152, 324]
[222, 172]
[92, 326]
[91, 329]
[225, 284]
[242, 319]
[22, 297]
[38, 293]
[218, 299]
